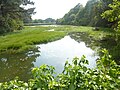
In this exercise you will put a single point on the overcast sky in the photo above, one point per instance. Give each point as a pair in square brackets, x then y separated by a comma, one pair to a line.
[54, 8]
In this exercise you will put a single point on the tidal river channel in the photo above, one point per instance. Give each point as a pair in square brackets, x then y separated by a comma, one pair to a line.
[54, 53]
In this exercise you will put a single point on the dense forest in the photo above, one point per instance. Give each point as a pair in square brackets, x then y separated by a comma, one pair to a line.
[98, 13]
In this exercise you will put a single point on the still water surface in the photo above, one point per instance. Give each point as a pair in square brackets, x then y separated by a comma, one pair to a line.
[53, 53]
[56, 53]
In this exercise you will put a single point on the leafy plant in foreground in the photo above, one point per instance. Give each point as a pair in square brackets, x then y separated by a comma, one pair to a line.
[75, 76]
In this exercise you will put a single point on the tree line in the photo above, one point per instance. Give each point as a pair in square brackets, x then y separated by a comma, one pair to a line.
[98, 13]
[46, 21]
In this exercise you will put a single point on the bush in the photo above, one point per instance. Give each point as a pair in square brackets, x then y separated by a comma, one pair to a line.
[75, 76]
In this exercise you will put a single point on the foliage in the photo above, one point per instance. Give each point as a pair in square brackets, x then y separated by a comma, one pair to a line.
[46, 21]
[12, 14]
[113, 15]
[87, 15]
[90, 15]
[26, 39]
[69, 18]
[75, 76]
[80, 15]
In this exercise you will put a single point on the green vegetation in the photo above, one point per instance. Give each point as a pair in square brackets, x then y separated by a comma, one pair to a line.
[96, 34]
[12, 14]
[75, 76]
[102, 38]
[46, 21]
[113, 15]
[69, 18]
[26, 39]
[97, 13]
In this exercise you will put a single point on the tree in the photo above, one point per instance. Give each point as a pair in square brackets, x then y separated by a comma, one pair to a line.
[12, 14]
[86, 15]
[49, 21]
[113, 15]
[46, 21]
[90, 15]
[70, 17]
[80, 15]
[98, 8]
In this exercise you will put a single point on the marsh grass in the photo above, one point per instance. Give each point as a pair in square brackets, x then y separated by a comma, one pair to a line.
[27, 38]
[97, 35]
[31, 35]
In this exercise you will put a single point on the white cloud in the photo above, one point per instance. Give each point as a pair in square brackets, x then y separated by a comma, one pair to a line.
[54, 8]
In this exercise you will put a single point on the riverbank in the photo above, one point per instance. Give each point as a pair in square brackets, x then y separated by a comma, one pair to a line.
[26, 39]
[96, 34]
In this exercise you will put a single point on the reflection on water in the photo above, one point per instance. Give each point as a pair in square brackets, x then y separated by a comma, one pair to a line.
[82, 37]
[112, 44]
[56, 53]
[16, 65]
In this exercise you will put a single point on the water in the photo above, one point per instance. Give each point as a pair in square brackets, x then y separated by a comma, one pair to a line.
[53, 53]
[56, 53]
[16, 65]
